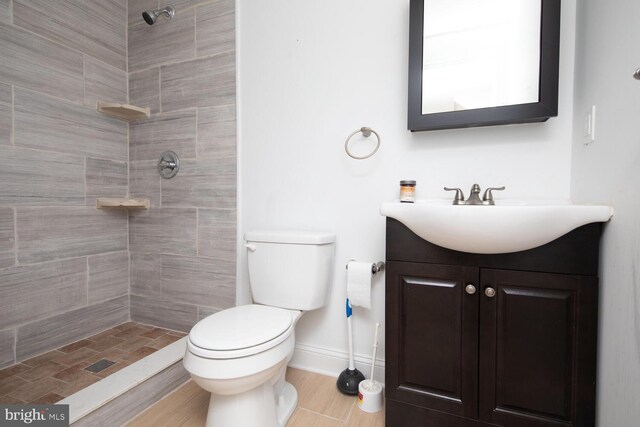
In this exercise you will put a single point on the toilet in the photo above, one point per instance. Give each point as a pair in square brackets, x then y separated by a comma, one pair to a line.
[240, 355]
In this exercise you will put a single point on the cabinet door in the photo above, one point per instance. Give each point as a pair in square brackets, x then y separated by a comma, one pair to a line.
[537, 349]
[432, 337]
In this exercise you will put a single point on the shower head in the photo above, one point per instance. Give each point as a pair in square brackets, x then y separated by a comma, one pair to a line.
[150, 16]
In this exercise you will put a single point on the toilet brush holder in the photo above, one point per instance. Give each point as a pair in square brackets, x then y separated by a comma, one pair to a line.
[370, 396]
[370, 391]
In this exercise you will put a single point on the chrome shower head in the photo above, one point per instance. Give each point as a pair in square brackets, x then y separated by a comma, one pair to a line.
[150, 16]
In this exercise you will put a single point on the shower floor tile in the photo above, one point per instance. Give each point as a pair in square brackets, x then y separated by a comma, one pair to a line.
[54, 375]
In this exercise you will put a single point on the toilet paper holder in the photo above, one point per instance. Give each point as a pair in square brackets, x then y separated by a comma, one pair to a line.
[376, 267]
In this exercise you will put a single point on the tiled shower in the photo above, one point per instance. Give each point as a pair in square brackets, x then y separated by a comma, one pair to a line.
[67, 269]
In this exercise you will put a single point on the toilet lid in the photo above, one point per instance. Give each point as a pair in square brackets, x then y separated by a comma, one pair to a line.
[240, 327]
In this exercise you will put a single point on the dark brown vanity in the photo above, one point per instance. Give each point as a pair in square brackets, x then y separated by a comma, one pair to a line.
[491, 340]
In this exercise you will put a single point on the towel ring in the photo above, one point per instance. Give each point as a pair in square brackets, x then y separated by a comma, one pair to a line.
[366, 132]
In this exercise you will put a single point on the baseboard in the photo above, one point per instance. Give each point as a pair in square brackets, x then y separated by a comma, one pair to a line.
[331, 362]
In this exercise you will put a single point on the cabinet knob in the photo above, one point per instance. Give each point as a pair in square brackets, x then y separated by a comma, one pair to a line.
[470, 289]
[490, 292]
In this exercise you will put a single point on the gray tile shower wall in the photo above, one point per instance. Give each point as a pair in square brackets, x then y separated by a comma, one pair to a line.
[64, 266]
[183, 249]
[68, 270]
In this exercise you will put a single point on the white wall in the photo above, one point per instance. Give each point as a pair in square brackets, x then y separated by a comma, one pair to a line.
[310, 73]
[608, 171]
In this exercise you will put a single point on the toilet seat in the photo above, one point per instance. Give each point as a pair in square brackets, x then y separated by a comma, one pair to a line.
[240, 331]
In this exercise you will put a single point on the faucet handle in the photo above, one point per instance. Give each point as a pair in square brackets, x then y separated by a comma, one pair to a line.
[487, 197]
[459, 197]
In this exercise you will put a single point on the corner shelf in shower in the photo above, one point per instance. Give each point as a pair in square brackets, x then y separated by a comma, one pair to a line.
[122, 203]
[123, 111]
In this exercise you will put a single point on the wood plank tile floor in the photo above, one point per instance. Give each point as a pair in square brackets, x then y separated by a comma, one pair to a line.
[57, 374]
[319, 405]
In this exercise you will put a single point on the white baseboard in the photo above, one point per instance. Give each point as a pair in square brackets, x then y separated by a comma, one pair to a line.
[331, 362]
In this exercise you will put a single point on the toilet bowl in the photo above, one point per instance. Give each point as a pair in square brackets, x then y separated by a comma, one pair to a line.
[240, 354]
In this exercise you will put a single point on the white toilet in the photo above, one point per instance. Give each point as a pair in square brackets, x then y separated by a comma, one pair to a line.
[240, 355]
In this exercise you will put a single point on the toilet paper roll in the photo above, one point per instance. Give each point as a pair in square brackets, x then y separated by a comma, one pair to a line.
[359, 277]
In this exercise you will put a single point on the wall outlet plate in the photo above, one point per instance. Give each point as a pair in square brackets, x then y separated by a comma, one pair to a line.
[589, 127]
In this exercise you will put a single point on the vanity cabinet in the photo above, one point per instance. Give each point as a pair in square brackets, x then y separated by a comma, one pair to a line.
[491, 340]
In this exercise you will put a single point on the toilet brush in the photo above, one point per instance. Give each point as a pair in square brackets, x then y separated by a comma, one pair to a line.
[370, 391]
[350, 378]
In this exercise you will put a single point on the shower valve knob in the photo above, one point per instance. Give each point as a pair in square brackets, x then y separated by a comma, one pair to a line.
[168, 165]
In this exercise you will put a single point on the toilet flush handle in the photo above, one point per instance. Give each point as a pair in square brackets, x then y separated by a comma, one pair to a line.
[250, 247]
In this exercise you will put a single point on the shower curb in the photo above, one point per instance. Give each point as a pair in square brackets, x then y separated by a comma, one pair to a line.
[115, 400]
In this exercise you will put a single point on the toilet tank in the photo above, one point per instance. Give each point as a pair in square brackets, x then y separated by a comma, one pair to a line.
[290, 269]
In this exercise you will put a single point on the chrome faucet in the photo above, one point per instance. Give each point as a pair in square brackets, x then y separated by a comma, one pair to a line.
[474, 197]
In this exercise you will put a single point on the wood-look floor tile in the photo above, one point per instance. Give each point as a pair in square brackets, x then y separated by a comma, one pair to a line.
[30, 391]
[125, 326]
[80, 355]
[104, 343]
[74, 346]
[112, 354]
[130, 333]
[43, 358]
[318, 393]
[138, 354]
[10, 384]
[146, 327]
[187, 406]
[164, 341]
[8, 400]
[13, 370]
[305, 418]
[155, 333]
[47, 399]
[360, 418]
[107, 333]
[134, 343]
[73, 373]
[45, 370]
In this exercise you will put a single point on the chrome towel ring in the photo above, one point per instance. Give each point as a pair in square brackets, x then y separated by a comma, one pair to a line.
[636, 75]
[366, 132]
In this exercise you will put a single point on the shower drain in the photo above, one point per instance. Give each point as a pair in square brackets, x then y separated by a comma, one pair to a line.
[99, 365]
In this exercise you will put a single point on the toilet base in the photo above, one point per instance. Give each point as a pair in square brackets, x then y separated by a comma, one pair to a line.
[286, 403]
[256, 407]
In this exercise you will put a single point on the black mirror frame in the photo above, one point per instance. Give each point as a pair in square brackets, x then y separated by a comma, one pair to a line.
[546, 107]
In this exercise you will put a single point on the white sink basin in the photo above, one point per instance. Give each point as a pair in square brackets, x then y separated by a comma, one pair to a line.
[509, 226]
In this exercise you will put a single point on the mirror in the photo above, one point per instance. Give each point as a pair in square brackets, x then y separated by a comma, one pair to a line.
[482, 62]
